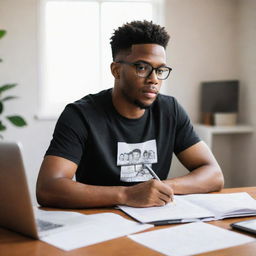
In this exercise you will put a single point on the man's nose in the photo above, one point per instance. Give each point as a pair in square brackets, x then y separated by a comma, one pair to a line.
[152, 78]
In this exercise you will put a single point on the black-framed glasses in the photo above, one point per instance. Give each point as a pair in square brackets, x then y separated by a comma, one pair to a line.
[144, 69]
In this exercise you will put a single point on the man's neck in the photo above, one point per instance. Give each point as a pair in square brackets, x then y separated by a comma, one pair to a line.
[125, 108]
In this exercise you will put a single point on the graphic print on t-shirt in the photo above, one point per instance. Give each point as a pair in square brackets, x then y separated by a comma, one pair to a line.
[132, 157]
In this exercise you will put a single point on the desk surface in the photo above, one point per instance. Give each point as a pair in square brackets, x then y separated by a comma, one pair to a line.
[12, 244]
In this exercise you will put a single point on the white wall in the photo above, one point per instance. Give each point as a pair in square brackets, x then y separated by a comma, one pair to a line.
[19, 51]
[218, 40]
[204, 46]
[245, 148]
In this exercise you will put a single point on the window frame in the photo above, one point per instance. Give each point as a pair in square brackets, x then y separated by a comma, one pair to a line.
[158, 16]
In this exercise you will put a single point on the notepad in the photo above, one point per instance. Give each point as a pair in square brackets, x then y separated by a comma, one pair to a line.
[194, 207]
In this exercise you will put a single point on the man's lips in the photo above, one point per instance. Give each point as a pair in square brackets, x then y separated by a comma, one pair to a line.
[150, 93]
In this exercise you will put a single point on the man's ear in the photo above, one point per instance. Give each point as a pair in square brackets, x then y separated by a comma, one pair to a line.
[115, 70]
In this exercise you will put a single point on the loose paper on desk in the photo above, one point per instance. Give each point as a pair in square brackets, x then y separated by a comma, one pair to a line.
[195, 207]
[91, 229]
[190, 239]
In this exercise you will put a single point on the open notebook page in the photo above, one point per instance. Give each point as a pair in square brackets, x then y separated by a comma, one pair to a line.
[225, 205]
[179, 210]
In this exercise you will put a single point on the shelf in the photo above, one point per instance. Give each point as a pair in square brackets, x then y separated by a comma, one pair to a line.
[225, 129]
[222, 142]
[206, 132]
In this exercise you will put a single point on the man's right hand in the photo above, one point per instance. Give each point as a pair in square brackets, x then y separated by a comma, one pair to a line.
[147, 194]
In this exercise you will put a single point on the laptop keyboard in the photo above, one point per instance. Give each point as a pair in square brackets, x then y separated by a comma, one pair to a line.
[46, 225]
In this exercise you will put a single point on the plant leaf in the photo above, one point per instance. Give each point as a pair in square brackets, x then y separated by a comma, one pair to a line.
[2, 33]
[6, 87]
[2, 127]
[9, 98]
[1, 107]
[17, 120]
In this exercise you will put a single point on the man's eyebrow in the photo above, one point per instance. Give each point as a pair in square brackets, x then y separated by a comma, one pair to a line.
[146, 62]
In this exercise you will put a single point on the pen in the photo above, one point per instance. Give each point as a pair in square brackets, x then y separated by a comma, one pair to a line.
[155, 176]
[152, 172]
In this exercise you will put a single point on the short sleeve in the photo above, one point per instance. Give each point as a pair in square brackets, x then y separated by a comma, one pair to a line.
[185, 135]
[69, 135]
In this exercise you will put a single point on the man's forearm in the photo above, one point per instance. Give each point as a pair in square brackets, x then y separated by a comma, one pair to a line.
[66, 193]
[204, 179]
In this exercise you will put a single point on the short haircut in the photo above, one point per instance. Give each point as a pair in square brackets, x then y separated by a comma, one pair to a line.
[137, 32]
[136, 150]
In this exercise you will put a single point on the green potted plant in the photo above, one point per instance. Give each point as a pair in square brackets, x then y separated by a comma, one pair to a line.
[16, 120]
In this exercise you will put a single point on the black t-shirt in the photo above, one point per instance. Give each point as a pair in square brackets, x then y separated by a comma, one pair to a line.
[110, 149]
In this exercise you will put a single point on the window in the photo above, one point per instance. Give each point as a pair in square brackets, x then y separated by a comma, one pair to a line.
[75, 53]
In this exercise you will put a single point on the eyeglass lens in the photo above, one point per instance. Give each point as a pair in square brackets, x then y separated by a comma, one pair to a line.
[144, 70]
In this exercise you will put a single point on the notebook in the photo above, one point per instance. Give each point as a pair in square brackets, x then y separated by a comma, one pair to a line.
[16, 210]
[194, 207]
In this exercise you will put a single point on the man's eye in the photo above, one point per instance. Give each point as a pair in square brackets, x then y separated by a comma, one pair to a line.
[160, 71]
[142, 67]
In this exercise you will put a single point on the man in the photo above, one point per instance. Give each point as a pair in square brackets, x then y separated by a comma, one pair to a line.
[92, 132]
[136, 154]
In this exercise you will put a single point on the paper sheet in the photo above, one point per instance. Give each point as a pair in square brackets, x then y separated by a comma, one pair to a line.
[190, 239]
[91, 229]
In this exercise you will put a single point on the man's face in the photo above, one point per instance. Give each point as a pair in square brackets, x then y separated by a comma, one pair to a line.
[126, 157]
[141, 91]
[136, 155]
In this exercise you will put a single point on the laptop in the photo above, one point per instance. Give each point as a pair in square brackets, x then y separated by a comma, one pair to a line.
[16, 210]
